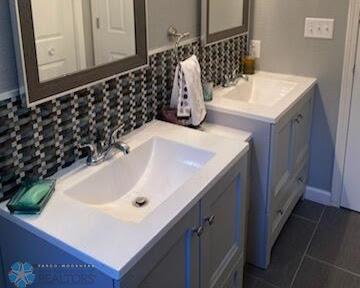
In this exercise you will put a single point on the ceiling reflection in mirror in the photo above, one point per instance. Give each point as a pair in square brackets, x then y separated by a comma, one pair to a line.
[75, 35]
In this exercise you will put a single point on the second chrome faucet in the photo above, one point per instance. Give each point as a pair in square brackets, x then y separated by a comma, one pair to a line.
[96, 156]
[234, 79]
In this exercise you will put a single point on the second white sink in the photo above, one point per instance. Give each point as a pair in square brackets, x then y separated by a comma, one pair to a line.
[265, 97]
[131, 187]
[260, 90]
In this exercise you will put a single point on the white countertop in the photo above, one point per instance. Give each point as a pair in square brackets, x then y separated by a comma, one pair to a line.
[262, 112]
[224, 131]
[110, 244]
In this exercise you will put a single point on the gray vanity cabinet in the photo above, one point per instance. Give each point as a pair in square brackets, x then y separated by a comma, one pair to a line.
[288, 166]
[214, 230]
[204, 249]
[279, 170]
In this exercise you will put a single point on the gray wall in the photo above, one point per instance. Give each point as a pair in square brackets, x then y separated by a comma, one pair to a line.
[184, 14]
[279, 24]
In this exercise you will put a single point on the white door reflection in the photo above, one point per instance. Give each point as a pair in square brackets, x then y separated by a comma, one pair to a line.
[74, 35]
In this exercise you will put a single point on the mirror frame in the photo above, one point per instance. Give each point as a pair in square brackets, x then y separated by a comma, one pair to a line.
[34, 91]
[208, 38]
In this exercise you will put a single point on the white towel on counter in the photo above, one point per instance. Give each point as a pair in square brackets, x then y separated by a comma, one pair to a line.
[187, 94]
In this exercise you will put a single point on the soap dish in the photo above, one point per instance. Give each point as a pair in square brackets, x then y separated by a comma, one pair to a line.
[32, 197]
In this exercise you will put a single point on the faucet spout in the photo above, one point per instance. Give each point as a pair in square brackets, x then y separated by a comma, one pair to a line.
[123, 147]
[95, 157]
[233, 80]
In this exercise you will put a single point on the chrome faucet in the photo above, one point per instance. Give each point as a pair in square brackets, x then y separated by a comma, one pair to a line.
[233, 80]
[96, 157]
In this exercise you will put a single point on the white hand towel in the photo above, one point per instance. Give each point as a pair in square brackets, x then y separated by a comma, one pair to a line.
[187, 94]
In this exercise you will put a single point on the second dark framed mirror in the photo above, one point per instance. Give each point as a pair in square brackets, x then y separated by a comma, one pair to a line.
[223, 19]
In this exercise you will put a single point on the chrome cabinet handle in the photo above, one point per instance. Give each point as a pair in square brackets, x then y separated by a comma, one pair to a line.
[210, 220]
[299, 118]
[198, 231]
[301, 180]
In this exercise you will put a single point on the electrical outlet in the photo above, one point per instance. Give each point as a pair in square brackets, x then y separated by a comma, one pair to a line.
[255, 48]
[321, 28]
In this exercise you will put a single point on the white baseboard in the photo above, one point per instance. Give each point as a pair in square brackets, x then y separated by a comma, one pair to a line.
[9, 94]
[318, 195]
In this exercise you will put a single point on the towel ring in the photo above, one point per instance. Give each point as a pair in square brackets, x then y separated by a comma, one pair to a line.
[178, 37]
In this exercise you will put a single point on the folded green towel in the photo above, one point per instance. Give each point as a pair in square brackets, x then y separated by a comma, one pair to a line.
[32, 197]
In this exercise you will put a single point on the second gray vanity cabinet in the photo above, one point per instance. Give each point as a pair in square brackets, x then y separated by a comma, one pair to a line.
[289, 149]
[279, 165]
[289, 154]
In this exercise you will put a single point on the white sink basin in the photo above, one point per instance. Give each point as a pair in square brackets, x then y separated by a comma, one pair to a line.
[153, 171]
[265, 97]
[258, 90]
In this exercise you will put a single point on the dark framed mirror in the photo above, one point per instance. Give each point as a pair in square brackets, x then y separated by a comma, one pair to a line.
[63, 45]
[223, 19]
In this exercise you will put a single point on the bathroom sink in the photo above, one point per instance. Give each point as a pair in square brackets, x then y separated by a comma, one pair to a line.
[265, 97]
[258, 90]
[93, 214]
[132, 186]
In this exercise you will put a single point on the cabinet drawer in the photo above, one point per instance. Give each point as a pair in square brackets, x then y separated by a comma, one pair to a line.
[299, 178]
[285, 203]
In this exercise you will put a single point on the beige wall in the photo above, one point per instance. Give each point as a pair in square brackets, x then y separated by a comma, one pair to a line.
[279, 24]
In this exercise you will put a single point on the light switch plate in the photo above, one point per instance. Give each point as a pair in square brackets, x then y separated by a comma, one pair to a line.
[255, 48]
[321, 28]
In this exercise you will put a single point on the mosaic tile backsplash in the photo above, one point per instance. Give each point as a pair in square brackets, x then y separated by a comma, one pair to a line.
[36, 142]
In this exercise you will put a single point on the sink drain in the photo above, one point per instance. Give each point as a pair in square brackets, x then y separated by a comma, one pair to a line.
[140, 202]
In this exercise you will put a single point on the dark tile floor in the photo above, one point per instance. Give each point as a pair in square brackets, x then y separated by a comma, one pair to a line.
[319, 247]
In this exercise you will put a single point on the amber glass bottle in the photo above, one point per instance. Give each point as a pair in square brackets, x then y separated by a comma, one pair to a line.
[249, 65]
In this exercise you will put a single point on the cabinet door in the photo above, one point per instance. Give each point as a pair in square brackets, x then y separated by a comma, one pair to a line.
[179, 268]
[173, 261]
[302, 127]
[281, 158]
[223, 212]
